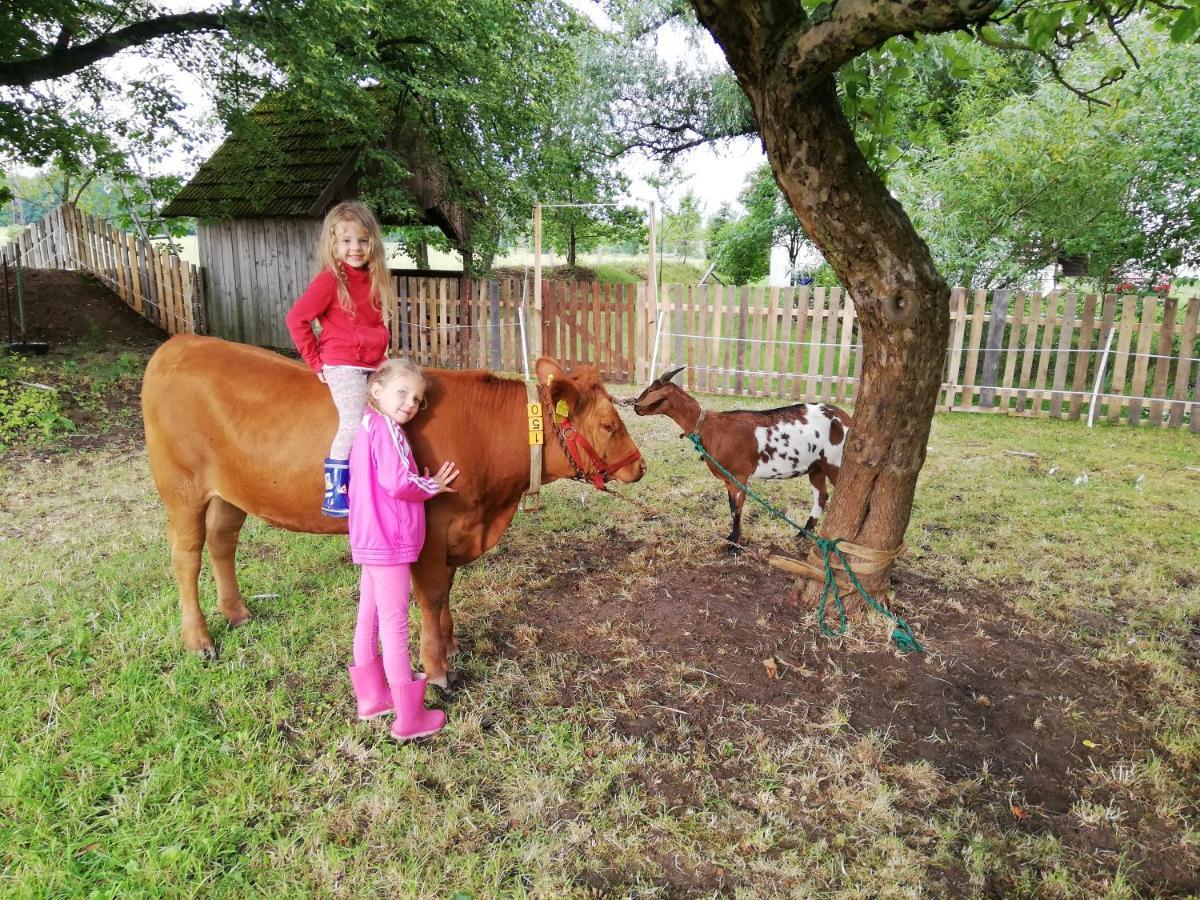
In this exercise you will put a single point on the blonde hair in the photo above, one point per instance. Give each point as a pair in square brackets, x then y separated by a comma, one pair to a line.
[383, 292]
[394, 368]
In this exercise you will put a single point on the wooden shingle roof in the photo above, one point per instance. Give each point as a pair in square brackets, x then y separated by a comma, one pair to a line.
[282, 165]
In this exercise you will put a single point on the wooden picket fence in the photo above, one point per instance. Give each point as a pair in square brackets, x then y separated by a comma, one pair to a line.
[589, 322]
[1018, 353]
[154, 283]
[459, 323]
[1118, 358]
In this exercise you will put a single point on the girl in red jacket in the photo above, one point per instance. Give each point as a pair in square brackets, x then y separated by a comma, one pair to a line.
[346, 300]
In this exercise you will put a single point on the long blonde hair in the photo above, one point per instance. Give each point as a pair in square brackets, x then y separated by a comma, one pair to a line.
[391, 368]
[383, 292]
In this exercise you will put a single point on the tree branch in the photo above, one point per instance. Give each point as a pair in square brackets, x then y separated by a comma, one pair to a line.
[63, 60]
[839, 32]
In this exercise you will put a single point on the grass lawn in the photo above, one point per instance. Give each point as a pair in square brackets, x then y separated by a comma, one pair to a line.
[614, 731]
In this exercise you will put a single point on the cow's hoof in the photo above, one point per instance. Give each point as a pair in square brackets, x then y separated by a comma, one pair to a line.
[239, 621]
[442, 683]
[207, 654]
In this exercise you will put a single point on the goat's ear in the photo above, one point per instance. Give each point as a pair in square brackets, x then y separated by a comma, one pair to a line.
[667, 376]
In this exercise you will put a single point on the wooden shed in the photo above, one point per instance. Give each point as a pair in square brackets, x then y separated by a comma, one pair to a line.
[259, 202]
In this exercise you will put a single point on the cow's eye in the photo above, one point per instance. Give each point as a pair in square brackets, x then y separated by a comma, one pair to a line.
[610, 427]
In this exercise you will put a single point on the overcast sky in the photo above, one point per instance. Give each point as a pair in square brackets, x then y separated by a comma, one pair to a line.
[714, 175]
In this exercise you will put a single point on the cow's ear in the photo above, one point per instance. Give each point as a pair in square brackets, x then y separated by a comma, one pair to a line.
[547, 366]
[549, 372]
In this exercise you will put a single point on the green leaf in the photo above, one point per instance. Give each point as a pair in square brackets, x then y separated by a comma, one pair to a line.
[1186, 25]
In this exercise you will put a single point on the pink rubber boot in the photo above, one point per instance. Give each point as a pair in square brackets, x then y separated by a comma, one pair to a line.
[371, 689]
[413, 720]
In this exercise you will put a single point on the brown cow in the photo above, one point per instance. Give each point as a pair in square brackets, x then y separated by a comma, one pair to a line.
[233, 430]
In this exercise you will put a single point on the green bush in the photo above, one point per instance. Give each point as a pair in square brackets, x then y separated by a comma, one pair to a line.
[26, 407]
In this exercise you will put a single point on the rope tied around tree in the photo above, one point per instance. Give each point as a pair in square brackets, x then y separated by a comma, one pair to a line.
[833, 557]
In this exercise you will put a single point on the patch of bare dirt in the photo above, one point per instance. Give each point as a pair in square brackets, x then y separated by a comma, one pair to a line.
[68, 308]
[551, 273]
[992, 694]
[77, 315]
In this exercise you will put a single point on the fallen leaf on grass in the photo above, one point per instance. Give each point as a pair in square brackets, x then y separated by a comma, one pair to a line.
[1020, 813]
[1091, 745]
[772, 667]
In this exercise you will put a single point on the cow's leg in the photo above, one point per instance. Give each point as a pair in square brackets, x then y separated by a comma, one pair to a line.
[185, 535]
[737, 499]
[820, 492]
[447, 623]
[431, 583]
[223, 524]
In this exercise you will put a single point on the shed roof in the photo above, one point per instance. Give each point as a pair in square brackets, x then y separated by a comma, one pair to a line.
[285, 164]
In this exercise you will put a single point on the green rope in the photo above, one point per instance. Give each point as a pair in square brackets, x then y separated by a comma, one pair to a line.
[902, 635]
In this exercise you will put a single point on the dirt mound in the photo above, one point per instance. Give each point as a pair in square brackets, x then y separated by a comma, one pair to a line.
[550, 273]
[990, 695]
[71, 307]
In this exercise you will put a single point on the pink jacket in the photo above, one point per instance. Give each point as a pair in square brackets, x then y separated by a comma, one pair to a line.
[357, 338]
[387, 496]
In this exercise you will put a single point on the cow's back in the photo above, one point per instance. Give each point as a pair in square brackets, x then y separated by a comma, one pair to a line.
[230, 420]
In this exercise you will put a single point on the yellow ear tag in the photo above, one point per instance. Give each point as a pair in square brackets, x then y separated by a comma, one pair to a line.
[562, 410]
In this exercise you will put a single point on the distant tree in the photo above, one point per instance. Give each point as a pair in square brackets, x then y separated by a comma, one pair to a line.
[1043, 178]
[683, 225]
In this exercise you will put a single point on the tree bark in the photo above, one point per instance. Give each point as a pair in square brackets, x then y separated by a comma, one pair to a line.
[571, 246]
[901, 301]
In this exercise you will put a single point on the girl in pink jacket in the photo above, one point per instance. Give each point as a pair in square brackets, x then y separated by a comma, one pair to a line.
[387, 530]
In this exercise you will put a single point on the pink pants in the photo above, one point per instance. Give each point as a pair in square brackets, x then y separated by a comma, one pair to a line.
[383, 621]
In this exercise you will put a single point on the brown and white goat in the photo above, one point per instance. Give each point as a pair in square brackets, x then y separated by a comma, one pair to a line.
[804, 439]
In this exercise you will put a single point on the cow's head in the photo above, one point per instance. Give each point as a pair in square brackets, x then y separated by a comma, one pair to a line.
[593, 414]
[658, 394]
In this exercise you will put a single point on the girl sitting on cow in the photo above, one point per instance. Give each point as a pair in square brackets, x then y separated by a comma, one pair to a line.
[387, 530]
[346, 299]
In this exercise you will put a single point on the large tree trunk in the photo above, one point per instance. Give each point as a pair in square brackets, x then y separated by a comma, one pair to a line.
[901, 301]
[571, 255]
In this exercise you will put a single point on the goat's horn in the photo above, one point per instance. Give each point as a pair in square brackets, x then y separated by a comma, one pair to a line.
[667, 376]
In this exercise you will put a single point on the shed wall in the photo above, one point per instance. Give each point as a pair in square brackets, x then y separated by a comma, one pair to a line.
[254, 269]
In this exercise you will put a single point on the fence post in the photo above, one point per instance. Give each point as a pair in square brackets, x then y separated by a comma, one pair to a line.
[995, 340]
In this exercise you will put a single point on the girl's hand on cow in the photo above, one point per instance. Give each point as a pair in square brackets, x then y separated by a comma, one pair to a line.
[446, 474]
[321, 377]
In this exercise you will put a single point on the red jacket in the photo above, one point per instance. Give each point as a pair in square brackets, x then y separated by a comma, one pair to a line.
[347, 339]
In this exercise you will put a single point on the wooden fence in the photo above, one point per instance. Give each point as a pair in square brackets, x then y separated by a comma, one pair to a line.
[593, 323]
[152, 282]
[1019, 353]
[1062, 355]
[456, 323]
